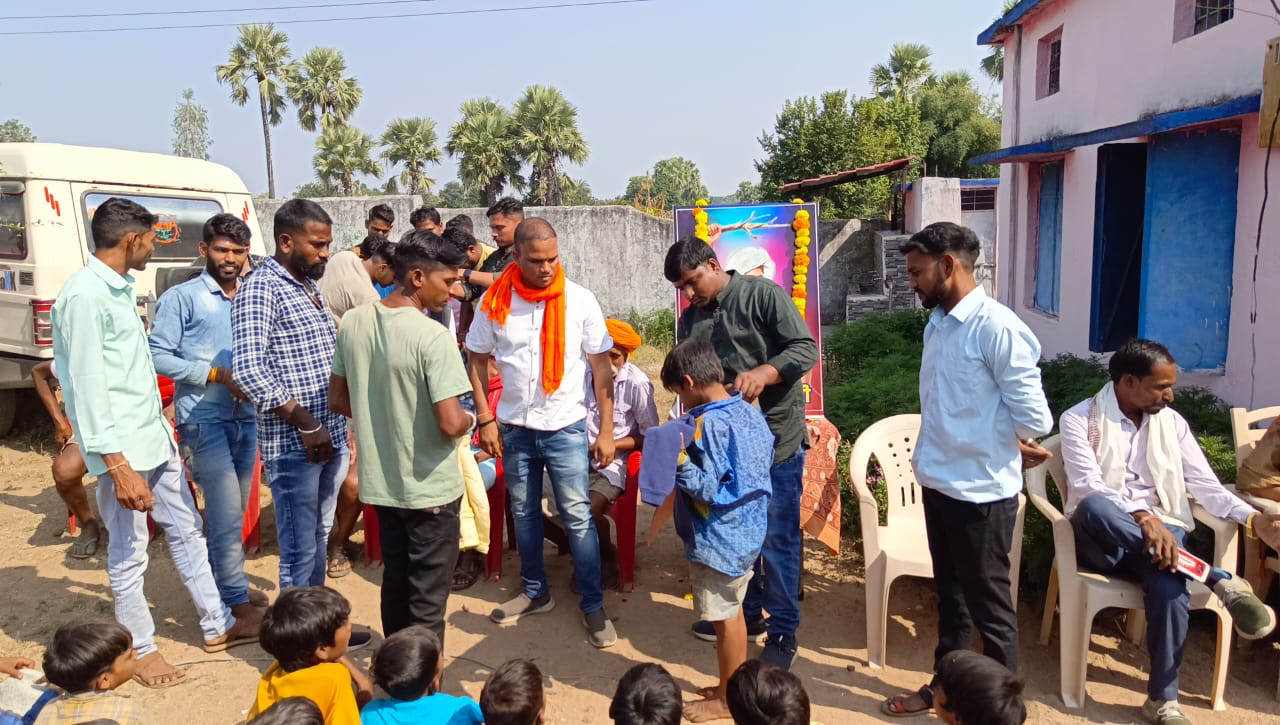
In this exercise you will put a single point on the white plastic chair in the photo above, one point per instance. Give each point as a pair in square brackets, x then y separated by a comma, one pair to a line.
[901, 546]
[1080, 595]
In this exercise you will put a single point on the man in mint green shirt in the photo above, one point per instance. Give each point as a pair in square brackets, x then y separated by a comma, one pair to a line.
[109, 384]
[398, 376]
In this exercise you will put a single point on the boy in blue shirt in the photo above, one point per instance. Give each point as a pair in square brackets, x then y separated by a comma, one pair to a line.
[408, 666]
[723, 485]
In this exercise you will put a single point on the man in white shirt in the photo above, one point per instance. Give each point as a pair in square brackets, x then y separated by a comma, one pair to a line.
[1131, 463]
[543, 331]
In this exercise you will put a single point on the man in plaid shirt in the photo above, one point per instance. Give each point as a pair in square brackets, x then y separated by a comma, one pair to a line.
[283, 338]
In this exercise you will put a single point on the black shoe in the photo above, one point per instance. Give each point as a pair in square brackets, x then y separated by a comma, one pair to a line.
[706, 630]
[359, 638]
[779, 651]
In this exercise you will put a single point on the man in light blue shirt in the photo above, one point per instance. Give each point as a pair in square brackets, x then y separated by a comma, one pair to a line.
[981, 406]
[217, 431]
[109, 384]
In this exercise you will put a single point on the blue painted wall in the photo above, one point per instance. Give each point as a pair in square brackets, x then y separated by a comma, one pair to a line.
[1189, 245]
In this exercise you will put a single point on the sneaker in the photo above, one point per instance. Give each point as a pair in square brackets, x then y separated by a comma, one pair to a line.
[599, 629]
[511, 611]
[359, 638]
[779, 651]
[1164, 712]
[706, 631]
[1253, 619]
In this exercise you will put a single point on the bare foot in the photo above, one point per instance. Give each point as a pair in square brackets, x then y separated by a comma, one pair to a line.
[92, 534]
[154, 672]
[258, 599]
[706, 710]
[244, 631]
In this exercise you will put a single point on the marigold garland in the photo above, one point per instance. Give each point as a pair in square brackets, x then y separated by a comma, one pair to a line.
[700, 228]
[800, 263]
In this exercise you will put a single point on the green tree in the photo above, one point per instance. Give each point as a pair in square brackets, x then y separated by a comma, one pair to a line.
[546, 136]
[577, 192]
[324, 94]
[412, 143]
[342, 152]
[817, 136]
[907, 69]
[484, 142]
[453, 195]
[316, 189]
[260, 57]
[674, 182]
[191, 128]
[12, 131]
[992, 63]
[956, 127]
[746, 193]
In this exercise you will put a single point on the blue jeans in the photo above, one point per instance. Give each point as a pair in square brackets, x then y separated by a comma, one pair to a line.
[1109, 541]
[221, 457]
[775, 585]
[305, 497]
[563, 453]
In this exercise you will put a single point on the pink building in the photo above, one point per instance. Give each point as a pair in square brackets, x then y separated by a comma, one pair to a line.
[1132, 182]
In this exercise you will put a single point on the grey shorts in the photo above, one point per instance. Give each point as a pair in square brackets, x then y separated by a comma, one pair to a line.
[716, 595]
[601, 485]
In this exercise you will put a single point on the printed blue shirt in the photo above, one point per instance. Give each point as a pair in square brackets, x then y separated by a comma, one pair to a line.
[191, 335]
[725, 485]
[282, 349]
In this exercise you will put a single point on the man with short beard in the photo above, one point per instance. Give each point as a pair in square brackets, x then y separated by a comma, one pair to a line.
[283, 350]
[217, 434]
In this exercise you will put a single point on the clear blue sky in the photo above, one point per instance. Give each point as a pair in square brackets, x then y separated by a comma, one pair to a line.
[695, 78]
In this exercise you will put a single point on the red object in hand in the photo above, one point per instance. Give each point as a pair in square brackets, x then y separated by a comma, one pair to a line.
[166, 391]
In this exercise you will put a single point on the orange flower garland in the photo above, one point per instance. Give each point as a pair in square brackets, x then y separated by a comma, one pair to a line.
[700, 228]
[800, 263]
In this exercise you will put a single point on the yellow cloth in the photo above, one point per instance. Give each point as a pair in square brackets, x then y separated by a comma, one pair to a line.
[85, 707]
[475, 504]
[1258, 470]
[328, 685]
[485, 251]
[624, 336]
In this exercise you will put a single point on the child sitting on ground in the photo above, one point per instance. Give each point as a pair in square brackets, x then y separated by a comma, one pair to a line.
[408, 666]
[513, 695]
[291, 711]
[761, 694]
[723, 487]
[646, 695]
[88, 662]
[307, 630]
[973, 689]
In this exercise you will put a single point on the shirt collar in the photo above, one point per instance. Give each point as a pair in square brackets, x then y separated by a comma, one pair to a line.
[113, 279]
[969, 305]
[715, 405]
[212, 284]
[278, 270]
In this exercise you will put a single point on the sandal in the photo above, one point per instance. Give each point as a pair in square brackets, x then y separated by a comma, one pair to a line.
[339, 565]
[467, 572]
[896, 705]
[85, 547]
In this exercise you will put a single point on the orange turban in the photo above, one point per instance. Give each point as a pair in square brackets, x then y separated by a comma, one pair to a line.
[624, 336]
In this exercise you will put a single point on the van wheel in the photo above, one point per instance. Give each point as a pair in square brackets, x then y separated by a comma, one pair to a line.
[8, 406]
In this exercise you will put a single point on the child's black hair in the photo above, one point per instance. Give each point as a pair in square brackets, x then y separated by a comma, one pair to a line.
[646, 695]
[695, 359]
[407, 662]
[761, 694]
[979, 690]
[291, 711]
[82, 652]
[301, 621]
[513, 695]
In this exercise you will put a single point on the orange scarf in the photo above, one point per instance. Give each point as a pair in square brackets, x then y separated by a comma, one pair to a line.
[497, 304]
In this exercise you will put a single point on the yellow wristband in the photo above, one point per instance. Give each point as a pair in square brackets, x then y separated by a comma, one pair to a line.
[213, 375]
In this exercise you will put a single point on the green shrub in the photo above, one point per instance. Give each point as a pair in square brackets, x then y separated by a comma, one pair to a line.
[1221, 453]
[1068, 379]
[851, 348]
[883, 387]
[1205, 413]
[656, 328]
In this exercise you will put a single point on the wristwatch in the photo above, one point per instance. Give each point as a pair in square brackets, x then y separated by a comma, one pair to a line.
[466, 276]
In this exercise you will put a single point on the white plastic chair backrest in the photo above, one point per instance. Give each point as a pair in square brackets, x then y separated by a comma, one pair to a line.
[1243, 428]
[1055, 469]
[892, 441]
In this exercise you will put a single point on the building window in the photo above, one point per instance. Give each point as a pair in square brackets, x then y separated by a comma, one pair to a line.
[1212, 13]
[1048, 231]
[978, 199]
[1049, 64]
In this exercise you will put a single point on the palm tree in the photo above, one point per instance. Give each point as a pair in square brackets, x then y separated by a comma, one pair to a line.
[412, 142]
[908, 68]
[484, 143]
[547, 134]
[993, 64]
[324, 97]
[260, 56]
[341, 153]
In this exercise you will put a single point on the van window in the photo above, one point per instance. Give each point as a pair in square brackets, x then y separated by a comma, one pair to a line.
[180, 225]
[13, 239]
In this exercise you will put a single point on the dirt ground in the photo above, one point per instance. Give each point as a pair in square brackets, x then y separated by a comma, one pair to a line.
[42, 588]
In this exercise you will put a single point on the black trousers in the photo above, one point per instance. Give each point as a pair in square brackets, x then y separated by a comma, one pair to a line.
[969, 544]
[419, 551]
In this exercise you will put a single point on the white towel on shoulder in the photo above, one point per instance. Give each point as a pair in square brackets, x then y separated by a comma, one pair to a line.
[1164, 455]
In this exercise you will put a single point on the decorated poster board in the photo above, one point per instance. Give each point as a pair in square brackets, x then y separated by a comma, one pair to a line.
[776, 241]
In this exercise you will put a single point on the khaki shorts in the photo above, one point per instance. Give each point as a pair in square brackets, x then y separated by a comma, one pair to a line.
[601, 485]
[716, 595]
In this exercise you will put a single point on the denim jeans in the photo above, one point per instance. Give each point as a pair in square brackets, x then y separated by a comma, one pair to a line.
[563, 453]
[775, 585]
[174, 510]
[305, 497]
[1109, 541]
[221, 457]
[419, 550]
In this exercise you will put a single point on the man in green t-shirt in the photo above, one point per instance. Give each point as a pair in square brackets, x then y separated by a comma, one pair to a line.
[397, 375]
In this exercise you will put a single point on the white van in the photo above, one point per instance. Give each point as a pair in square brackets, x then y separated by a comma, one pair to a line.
[48, 193]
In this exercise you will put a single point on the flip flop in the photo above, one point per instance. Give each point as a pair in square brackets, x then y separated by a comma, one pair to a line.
[339, 565]
[226, 644]
[87, 549]
[893, 706]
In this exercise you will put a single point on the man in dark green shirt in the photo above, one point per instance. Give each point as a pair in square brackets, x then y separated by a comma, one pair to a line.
[766, 350]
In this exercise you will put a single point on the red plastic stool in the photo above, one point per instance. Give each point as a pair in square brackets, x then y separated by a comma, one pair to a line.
[623, 513]
[497, 523]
